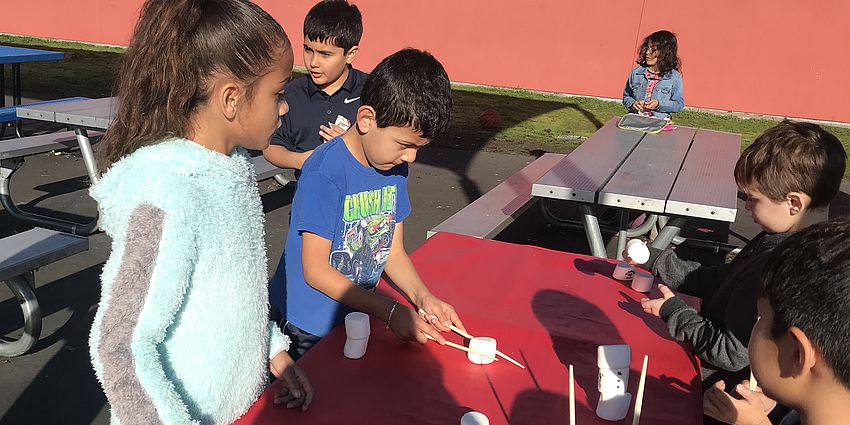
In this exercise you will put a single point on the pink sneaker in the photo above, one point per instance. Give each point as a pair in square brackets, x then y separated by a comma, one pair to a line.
[669, 127]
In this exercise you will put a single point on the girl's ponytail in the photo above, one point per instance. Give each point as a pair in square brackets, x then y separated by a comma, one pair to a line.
[175, 48]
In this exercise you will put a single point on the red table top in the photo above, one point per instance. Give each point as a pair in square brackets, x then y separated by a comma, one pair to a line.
[547, 309]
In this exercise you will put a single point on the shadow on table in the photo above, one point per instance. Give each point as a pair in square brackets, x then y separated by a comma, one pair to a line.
[577, 345]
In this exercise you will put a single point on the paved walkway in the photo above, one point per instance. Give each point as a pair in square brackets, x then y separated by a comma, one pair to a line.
[55, 384]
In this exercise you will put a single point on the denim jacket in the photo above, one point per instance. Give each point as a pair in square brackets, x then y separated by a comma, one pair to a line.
[668, 91]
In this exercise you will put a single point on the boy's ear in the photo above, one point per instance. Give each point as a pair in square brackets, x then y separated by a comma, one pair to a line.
[365, 119]
[797, 202]
[352, 54]
[805, 354]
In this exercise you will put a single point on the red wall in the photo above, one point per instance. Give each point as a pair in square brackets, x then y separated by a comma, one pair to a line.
[778, 57]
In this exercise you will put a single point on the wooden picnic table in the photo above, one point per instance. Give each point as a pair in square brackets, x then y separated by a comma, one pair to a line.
[684, 173]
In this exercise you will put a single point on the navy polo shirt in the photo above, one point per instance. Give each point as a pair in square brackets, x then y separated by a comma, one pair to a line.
[310, 108]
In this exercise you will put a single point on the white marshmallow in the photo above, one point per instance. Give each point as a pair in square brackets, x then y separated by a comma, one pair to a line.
[357, 332]
[613, 356]
[474, 418]
[636, 250]
[614, 408]
[623, 271]
[642, 281]
[483, 345]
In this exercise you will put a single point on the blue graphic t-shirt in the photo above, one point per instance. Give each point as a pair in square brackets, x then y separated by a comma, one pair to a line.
[356, 208]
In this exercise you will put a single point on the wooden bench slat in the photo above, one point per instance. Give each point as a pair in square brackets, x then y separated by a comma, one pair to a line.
[706, 184]
[33, 145]
[645, 179]
[581, 175]
[492, 212]
[27, 251]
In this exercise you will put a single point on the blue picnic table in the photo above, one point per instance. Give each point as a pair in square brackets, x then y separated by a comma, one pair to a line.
[15, 56]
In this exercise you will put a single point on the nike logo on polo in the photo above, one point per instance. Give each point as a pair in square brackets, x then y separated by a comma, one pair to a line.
[347, 100]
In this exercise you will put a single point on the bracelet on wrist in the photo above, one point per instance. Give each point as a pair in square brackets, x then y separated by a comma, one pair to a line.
[390, 316]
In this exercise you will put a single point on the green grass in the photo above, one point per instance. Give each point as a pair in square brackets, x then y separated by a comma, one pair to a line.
[532, 122]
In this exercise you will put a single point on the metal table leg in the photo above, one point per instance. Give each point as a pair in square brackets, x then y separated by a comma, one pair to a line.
[594, 234]
[88, 154]
[669, 232]
[16, 93]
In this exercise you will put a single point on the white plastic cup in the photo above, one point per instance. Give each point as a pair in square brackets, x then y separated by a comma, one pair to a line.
[357, 332]
[637, 250]
[623, 271]
[642, 281]
[482, 345]
[474, 418]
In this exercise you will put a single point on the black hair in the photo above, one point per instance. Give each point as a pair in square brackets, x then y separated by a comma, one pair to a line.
[807, 283]
[666, 45]
[335, 22]
[793, 157]
[410, 88]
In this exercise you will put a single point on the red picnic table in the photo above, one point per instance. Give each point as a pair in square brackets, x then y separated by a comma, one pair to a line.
[547, 309]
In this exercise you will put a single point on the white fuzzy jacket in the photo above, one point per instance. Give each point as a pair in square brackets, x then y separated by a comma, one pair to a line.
[182, 332]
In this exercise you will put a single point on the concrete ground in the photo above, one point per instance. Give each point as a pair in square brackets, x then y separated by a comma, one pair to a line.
[55, 383]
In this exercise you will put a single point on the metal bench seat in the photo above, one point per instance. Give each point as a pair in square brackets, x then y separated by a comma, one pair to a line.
[266, 170]
[20, 255]
[34, 145]
[492, 212]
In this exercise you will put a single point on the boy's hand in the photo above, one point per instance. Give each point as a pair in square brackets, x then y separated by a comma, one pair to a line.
[628, 259]
[651, 105]
[409, 326]
[653, 306]
[439, 313]
[751, 409]
[639, 105]
[330, 131]
[295, 387]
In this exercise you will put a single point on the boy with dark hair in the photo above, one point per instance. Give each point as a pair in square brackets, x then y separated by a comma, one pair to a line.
[323, 102]
[789, 169]
[348, 212]
[800, 348]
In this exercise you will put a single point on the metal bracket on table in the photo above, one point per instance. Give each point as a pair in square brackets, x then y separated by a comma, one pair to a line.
[7, 169]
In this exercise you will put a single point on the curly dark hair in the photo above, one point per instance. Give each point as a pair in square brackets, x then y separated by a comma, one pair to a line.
[664, 42]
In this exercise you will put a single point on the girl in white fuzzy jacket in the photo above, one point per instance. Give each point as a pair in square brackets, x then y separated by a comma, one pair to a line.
[182, 332]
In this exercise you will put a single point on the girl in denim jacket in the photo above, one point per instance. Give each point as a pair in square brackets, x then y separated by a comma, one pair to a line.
[654, 87]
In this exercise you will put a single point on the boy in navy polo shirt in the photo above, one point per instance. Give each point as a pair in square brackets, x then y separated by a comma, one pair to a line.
[348, 212]
[323, 103]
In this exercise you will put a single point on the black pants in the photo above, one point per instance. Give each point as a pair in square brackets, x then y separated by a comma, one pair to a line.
[301, 341]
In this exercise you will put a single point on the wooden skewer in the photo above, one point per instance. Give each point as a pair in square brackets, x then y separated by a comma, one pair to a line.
[753, 382]
[639, 402]
[572, 398]
[467, 335]
[461, 347]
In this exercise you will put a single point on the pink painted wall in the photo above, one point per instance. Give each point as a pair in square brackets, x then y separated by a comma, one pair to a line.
[778, 57]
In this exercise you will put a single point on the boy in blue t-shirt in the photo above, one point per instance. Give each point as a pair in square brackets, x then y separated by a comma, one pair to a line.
[322, 103]
[347, 215]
